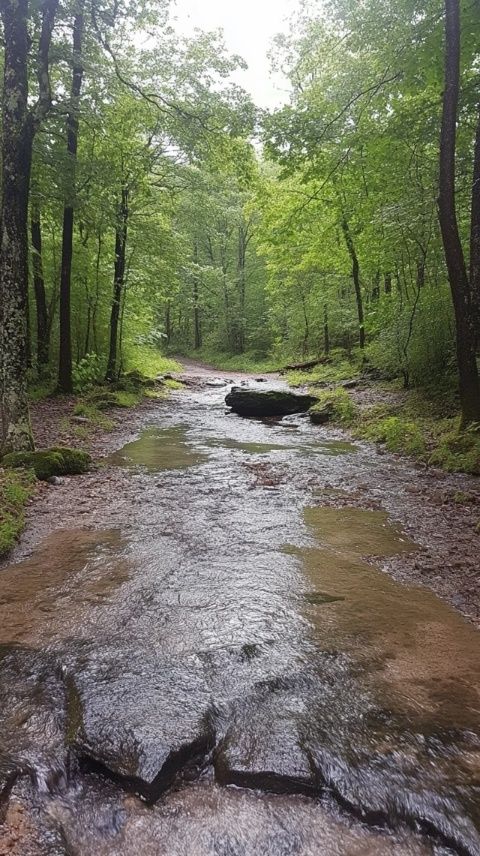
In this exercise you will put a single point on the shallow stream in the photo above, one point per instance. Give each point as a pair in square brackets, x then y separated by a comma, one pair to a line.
[220, 665]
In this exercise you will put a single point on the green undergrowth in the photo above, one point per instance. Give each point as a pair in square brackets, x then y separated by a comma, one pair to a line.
[423, 424]
[331, 372]
[338, 404]
[250, 363]
[16, 488]
[151, 363]
[124, 393]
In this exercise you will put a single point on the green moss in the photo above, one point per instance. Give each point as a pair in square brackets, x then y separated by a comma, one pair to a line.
[75, 461]
[15, 491]
[338, 404]
[169, 383]
[49, 462]
[105, 399]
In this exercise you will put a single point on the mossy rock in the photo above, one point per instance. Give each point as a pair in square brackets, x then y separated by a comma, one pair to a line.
[75, 461]
[46, 463]
[104, 399]
[137, 379]
[320, 414]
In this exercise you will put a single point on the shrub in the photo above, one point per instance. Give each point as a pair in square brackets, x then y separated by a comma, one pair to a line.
[87, 372]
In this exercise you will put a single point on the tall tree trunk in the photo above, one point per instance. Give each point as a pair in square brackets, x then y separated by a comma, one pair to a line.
[168, 322]
[388, 283]
[326, 332]
[17, 142]
[196, 309]
[356, 280]
[121, 232]
[65, 382]
[242, 283]
[475, 235]
[457, 272]
[43, 344]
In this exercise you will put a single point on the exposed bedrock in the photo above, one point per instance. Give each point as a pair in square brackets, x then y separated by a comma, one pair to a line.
[303, 736]
[141, 721]
[272, 402]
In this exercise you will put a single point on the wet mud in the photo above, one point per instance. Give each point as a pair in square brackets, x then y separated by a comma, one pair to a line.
[204, 650]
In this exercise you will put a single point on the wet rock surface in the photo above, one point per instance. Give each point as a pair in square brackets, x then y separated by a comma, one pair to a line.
[227, 621]
[273, 402]
[156, 733]
[33, 720]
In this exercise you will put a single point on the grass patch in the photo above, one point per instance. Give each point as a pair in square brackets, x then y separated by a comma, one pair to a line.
[398, 435]
[337, 404]
[324, 374]
[16, 488]
[150, 363]
[170, 383]
[417, 428]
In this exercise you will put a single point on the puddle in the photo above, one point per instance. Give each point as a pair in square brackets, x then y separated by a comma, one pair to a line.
[357, 530]
[158, 449]
[424, 655]
[248, 448]
[44, 596]
[331, 447]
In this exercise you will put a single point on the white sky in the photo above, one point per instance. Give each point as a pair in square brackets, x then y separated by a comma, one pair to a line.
[249, 27]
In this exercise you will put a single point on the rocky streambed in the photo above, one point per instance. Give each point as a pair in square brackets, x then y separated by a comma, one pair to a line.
[204, 649]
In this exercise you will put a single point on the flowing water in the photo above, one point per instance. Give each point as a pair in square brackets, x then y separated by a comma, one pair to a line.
[221, 666]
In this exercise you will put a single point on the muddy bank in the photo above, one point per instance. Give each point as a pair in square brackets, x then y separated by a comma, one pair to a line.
[210, 609]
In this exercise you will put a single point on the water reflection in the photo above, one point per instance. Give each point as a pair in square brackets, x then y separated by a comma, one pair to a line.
[158, 449]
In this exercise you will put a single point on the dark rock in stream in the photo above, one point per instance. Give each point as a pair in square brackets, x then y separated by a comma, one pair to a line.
[272, 402]
[262, 748]
[321, 415]
[142, 721]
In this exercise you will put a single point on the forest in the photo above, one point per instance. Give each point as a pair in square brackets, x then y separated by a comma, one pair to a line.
[239, 428]
[149, 207]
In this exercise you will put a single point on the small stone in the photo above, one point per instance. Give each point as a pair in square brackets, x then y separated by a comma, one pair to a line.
[56, 480]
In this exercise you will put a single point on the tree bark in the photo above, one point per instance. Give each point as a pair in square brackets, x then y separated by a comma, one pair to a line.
[356, 280]
[121, 233]
[326, 332]
[168, 322]
[17, 142]
[475, 235]
[65, 382]
[43, 344]
[457, 272]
